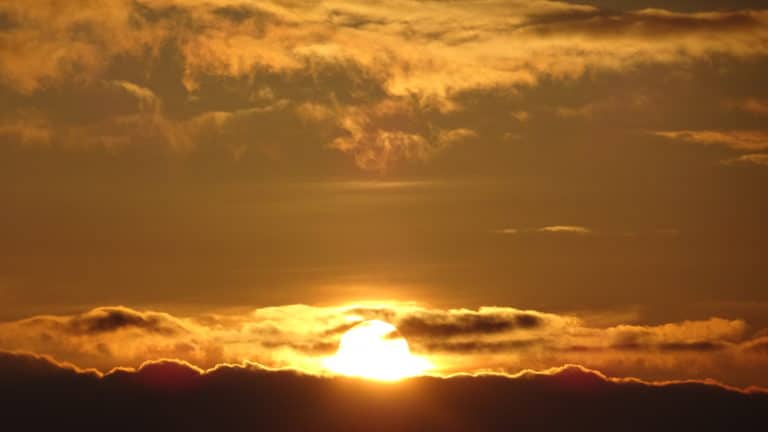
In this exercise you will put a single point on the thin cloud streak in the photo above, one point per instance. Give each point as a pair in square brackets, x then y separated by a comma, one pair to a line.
[552, 229]
[737, 140]
[760, 159]
[574, 229]
[754, 106]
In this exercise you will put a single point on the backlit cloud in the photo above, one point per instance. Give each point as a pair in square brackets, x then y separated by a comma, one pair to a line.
[456, 340]
[368, 74]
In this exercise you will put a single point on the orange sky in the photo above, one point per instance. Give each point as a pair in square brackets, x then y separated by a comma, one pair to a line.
[601, 164]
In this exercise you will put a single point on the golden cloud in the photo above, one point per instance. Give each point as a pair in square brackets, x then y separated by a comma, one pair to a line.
[749, 140]
[749, 159]
[428, 49]
[455, 340]
[349, 59]
[553, 229]
[575, 229]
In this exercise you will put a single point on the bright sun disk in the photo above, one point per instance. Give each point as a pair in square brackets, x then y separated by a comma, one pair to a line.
[375, 349]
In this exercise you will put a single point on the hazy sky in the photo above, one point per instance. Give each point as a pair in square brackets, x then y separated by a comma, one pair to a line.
[532, 214]
[606, 159]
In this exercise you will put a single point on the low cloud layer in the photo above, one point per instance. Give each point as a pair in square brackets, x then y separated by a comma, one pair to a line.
[176, 396]
[456, 340]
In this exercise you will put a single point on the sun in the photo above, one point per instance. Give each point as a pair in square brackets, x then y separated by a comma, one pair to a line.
[375, 349]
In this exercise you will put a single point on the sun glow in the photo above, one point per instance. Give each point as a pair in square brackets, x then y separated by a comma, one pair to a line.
[375, 350]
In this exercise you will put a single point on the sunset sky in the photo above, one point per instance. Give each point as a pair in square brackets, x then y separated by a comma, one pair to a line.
[514, 185]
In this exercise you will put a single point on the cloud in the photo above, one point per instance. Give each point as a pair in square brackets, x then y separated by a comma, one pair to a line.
[232, 38]
[759, 345]
[751, 105]
[174, 395]
[27, 132]
[737, 140]
[574, 229]
[555, 229]
[481, 347]
[465, 323]
[749, 159]
[110, 319]
[391, 131]
[455, 340]
[353, 68]
[600, 108]
[508, 231]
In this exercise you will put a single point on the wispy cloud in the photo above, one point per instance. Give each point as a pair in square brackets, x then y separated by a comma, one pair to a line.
[508, 231]
[572, 229]
[749, 140]
[555, 229]
[751, 105]
[749, 159]
[381, 134]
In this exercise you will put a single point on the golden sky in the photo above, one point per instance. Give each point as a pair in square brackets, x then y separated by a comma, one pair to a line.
[512, 184]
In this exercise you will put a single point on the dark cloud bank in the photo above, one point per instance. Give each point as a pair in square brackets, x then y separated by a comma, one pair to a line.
[39, 394]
